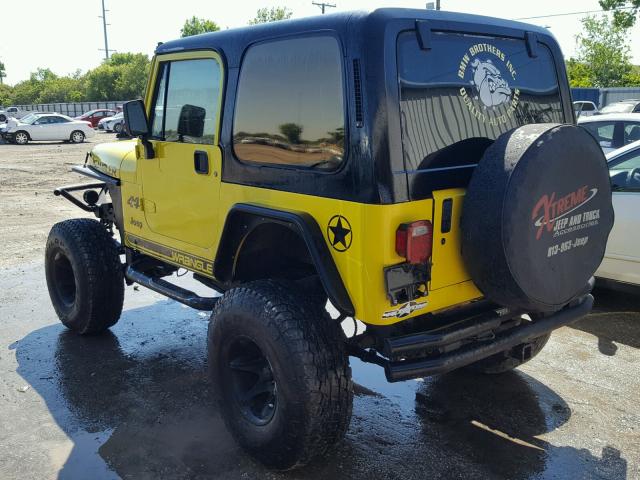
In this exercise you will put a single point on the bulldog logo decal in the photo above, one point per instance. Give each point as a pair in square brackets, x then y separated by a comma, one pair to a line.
[492, 89]
[487, 72]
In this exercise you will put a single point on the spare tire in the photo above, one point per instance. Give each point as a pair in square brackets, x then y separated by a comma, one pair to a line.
[536, 216]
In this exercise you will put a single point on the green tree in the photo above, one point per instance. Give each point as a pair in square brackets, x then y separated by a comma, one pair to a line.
[624, 11]
[632, 79]
[3, 73]
[292, 131]
[122, 77]
[196, 26]
[6, 94]
[603, 47]
[273, 14]
[578, 73]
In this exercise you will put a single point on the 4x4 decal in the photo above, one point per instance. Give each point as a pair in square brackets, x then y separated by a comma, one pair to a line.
[339, 233]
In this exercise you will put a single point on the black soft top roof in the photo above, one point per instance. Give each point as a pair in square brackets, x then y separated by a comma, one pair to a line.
[233, 41]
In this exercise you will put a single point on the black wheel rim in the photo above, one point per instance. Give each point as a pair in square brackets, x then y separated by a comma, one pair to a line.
[252, 384]
[63, 279]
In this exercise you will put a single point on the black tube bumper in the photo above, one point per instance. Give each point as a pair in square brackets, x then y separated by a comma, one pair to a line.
[405, 369]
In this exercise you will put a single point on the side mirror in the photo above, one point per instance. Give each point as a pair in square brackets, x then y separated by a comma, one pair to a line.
[137, 125]
[191, 121]
[135, 119]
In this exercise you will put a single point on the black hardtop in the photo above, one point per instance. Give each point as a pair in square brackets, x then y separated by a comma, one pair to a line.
[232, 42]
[374, 170]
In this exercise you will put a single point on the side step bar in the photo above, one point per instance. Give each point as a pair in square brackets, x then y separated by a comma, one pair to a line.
[170, 290]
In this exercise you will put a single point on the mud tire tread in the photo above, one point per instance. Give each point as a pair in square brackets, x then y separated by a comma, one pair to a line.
[313, 345]
[95, 260]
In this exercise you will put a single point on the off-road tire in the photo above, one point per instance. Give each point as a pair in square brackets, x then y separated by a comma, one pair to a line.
[84, 275]
[77, 136]
[21, 138]
[505, 361]
[305, 350]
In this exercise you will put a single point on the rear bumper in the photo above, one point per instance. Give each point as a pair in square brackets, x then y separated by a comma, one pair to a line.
[443, 352]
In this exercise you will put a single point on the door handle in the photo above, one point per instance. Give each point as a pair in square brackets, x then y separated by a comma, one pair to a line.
[201, 162]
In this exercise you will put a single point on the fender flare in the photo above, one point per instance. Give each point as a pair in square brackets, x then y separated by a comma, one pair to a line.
[243, 218]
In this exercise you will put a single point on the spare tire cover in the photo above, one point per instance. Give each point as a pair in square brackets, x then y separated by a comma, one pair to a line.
[536, 217]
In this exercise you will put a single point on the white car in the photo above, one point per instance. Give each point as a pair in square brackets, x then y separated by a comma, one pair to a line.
[613, 130]
[584, 108]
[112, 124]
[11, 112]
[47, 126]
[621, 262]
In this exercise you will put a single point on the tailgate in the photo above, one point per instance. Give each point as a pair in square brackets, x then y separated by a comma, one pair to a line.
[447, 266]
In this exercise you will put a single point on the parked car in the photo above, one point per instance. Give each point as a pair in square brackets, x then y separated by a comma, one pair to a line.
[12, 112]
[613, 131]
[47, 126]
[112, 124]
[94, 116]
[584, 108]
[625, 106]
[621, 263]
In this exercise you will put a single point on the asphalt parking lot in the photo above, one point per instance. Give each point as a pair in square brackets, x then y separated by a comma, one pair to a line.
[136, 402]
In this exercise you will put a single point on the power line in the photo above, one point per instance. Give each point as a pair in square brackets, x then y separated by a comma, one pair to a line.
[323, 5]
[573, 13]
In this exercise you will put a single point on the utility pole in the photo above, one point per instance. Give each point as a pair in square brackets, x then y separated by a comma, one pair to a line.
[324, 5]
[104, 26]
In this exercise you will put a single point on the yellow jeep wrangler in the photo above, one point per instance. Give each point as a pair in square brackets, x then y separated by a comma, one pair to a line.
[418, 171]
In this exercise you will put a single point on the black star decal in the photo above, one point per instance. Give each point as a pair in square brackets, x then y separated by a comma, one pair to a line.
[341, 233]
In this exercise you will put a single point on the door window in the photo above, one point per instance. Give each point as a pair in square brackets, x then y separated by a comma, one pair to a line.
[186, 98]
[625, 172]
[602, 132]
[631, 132]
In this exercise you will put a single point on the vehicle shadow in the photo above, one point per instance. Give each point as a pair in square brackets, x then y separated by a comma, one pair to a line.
[136, 403]
[496, 423]
[615, 319]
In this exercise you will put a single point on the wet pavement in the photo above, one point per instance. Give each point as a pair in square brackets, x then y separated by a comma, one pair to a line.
[136, 403]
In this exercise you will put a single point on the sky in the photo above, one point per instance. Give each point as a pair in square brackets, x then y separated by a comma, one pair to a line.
[66, 35]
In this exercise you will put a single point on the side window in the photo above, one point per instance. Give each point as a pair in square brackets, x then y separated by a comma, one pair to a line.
[157, 115]
[625, 172]
[587, 107]
[290, 104]
[186, 101]
[602, 132]
[631, 132]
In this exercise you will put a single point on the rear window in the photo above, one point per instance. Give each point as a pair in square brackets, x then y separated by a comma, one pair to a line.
[465, 91]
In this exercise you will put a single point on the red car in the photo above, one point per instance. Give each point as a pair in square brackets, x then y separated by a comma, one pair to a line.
[94, 116]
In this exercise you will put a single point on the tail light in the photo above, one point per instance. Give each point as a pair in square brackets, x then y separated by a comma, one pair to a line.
[414, 241]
